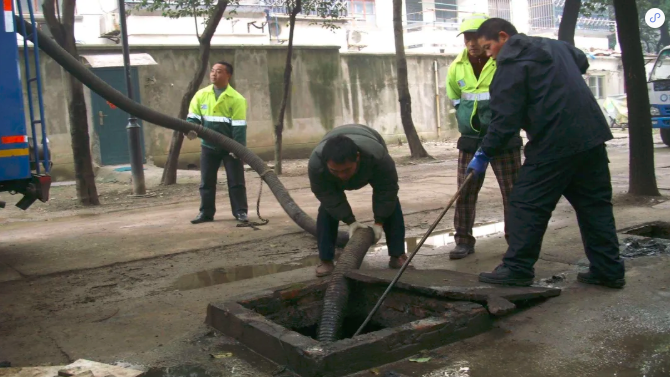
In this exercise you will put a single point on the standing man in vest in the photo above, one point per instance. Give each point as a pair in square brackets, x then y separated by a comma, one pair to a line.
[221, 108]
[468, 83]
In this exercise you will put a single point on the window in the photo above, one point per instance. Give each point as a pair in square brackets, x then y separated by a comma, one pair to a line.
[363, 10]
[446, 11]
[661, 70]
[597, 86]
[541, 14]
[414, 9]
[500, 9]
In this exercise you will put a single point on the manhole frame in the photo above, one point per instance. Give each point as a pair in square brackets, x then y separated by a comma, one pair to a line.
[309, 357]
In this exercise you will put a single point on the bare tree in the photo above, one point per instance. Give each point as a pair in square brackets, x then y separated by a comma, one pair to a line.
[642, 179]
[415, 147]
[566, 30]
[61, 25]
[328, 10]
[279, 127]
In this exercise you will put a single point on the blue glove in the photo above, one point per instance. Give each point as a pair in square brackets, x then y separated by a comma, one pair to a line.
[478, 164]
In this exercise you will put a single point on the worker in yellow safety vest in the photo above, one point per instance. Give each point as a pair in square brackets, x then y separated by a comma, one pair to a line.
[468, 81]
[220, 108]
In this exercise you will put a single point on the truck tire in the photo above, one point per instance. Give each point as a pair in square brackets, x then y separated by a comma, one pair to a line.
[665, 136]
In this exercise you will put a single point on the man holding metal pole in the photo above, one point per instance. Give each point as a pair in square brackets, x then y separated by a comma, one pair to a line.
[468, 83]
[539, 87]
[221, 108]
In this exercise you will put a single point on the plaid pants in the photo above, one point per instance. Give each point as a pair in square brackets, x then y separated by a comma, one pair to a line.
[506, 168]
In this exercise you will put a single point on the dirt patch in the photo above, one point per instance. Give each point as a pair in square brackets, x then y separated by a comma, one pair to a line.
[627, 200]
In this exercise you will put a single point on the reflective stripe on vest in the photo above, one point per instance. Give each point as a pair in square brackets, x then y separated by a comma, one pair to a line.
[192, 115]
[476, 96]
[455, 102]
[210, 118]
[239, 123]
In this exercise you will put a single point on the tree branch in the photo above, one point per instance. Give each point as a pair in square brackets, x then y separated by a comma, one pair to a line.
[214, 20]
[566, 30]
[68, 12]
[195, 18]
[55, 27]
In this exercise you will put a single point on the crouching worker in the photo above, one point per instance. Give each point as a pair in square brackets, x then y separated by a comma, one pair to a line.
[349, 158]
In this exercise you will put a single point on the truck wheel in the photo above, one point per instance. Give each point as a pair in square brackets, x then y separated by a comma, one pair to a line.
[665, 136]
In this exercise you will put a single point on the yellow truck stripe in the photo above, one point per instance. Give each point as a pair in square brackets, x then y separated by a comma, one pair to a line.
[13, 152]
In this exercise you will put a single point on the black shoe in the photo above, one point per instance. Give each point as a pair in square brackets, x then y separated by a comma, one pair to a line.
[505, 276]
[591, 278]
[202, 219]
[461, 251]
[242, 217]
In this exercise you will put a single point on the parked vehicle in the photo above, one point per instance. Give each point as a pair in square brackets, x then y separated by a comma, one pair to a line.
[659, 94]
[24, 147]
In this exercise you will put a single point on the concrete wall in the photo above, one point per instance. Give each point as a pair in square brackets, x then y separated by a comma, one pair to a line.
[328, 89]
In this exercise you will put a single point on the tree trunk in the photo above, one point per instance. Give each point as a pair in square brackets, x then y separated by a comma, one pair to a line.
[642, 177]
[415, 147]
[279, 127]
[566, 31]
[63, 32]
[170, 170]
[87, 193]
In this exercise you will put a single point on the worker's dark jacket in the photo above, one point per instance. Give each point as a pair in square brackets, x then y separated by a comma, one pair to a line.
[539, 87]
[376, 168]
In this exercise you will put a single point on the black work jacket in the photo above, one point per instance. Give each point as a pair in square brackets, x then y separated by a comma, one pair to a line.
[376, 167]
[539, 87]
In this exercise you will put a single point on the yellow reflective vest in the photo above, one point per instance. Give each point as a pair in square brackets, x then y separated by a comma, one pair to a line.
[226, 115]
[470, 95]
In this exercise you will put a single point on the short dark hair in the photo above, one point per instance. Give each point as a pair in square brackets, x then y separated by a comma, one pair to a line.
[229, 67]
[340, 149]
[491, 27]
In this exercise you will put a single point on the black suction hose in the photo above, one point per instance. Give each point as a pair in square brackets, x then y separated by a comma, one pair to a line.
[337, 292]
[88, 78]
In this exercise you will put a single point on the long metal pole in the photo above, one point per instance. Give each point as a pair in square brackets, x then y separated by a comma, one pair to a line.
[133, 128]
[418, 246]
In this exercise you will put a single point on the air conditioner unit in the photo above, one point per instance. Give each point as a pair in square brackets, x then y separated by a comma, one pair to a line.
[357, 38]
[275, 29]
[109, 25]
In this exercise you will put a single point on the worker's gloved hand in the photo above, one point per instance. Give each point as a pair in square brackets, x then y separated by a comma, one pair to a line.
[378, 229]
[191, 135]
[233, 155]
[478, 164]
[353, 227]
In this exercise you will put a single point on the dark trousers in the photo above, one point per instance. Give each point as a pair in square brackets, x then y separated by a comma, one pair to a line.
[506, 167]
[584, 180]
[326, 233]
[210, 161]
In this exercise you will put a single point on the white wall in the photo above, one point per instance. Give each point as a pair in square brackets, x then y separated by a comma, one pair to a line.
[610, 68]
[520, 17]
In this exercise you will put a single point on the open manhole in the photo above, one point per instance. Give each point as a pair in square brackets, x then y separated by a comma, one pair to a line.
[427, 310]
[656, 229]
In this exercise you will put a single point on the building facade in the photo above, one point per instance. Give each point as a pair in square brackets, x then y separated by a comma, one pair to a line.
[430, 26]
[341, 74]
